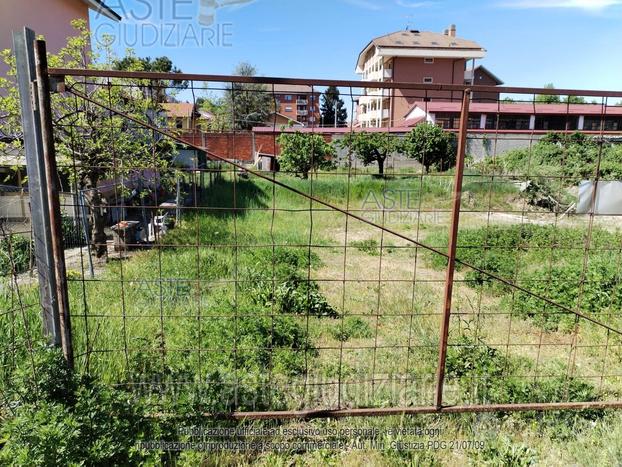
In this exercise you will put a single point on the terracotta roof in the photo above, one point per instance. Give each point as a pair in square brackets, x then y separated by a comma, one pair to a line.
[182, 109]
[424, 40]
[521, 108]
[444, 45]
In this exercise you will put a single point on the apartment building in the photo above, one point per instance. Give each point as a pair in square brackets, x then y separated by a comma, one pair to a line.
[298, 103]
[412, 56]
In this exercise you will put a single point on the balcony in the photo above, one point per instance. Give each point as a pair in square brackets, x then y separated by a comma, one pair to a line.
[302, 102]
[373, 75]
[374, 115]
[303, 113]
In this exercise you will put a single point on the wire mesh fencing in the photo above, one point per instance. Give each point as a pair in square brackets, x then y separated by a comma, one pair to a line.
[444, 248]
[19, 319]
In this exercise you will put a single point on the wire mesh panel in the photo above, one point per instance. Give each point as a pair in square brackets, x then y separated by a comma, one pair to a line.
[253, 252]
[19, 319]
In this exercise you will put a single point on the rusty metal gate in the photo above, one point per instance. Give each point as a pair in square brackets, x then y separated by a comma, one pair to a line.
[463, 283]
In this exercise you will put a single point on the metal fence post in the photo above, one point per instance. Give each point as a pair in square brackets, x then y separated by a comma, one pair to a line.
[23, 45]
[453, 240]
[53, 188]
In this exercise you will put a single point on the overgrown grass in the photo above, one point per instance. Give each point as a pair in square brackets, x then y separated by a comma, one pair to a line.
[546, 260]
[231, 303]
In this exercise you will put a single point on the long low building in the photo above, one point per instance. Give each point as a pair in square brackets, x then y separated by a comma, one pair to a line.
[519, 117]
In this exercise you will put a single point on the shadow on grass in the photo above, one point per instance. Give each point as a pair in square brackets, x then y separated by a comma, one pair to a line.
[226, 198]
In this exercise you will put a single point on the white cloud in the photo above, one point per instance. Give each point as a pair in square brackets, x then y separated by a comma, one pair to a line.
[365, 4]
[579, 4]
[406, 4]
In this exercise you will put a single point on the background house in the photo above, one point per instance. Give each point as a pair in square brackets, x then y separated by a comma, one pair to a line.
[411, 56]
[50, 18]
[298, 103]
[183, 116]
[481, 76]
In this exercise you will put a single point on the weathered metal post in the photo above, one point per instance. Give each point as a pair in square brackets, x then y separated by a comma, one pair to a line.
[34, 89]
[453, 241]
[23, 45]
[53, 189]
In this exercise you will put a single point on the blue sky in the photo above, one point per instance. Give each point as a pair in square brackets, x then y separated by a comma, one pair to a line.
[572, 43]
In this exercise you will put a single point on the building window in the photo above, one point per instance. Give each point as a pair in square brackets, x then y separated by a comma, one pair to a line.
[288, 108]
[288, 98]
[514, 122]
[475, 121]
[491, 122]
[608, 124]
[428, 60]
[179, 123]
[448, 121]
[556, 123]
[428, 80]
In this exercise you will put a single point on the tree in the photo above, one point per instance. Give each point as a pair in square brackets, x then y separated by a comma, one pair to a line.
[371, 147]
[92, 143]
[220, 114]
[431, 146]
[546, 98]
[576, 100]
[330, 98]
[131, 62]
[248, 104]
[305, 152]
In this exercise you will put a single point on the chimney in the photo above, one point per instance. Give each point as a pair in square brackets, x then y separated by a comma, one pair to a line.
[452, 30]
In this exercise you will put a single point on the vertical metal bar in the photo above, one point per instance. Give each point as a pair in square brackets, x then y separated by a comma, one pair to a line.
[453, 240]
[85, 227]
[23, 45]
[54, 213]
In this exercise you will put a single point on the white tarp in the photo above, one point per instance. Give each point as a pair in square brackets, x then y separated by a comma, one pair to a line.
[608, 201]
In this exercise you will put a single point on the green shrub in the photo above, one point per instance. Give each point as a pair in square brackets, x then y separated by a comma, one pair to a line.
[61, 418]
[280, 281]
[353, 327]
[573, 157]
[487, 376]
[509, 251]
[502, 451]
[596, 289]
[300, 296]
[14, 251]
[370, 246]
[73, 232]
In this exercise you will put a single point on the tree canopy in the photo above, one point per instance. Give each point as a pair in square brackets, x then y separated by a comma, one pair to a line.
[556, 99]
[370, 147]
[430, 146]
[247, 104]
[305, 152]
[330, 99]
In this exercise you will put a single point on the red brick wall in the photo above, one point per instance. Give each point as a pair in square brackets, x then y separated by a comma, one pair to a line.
[238, 145]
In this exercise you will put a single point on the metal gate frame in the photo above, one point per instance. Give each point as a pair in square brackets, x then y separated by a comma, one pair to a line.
[37, 120]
